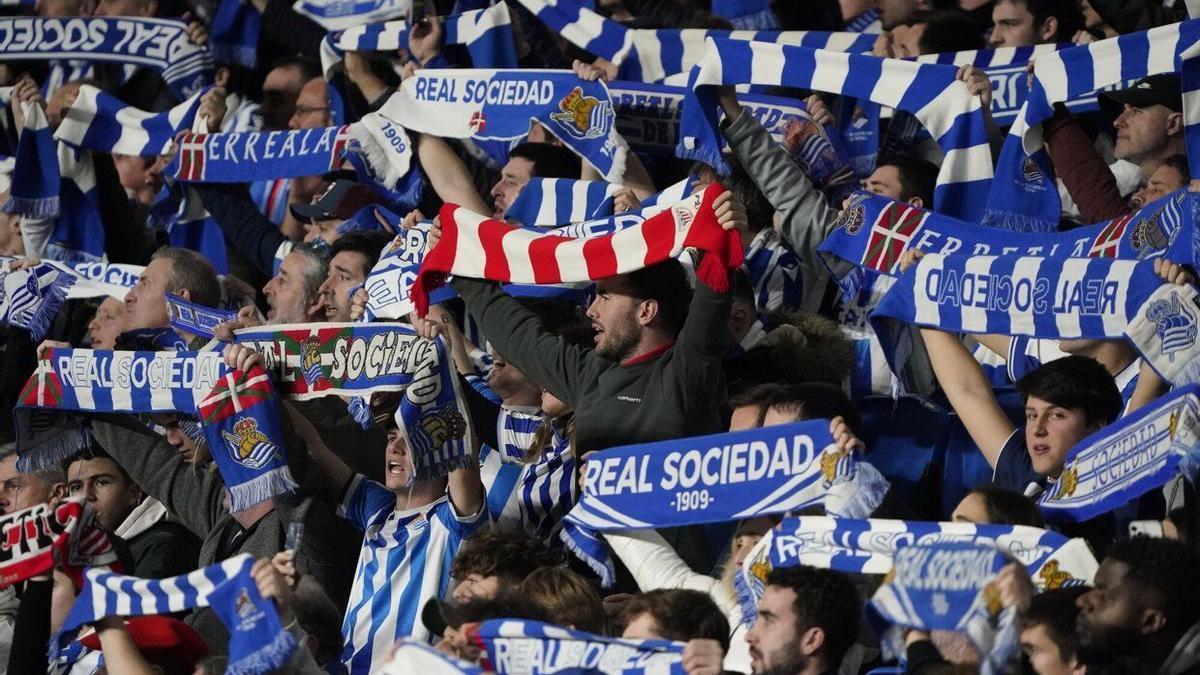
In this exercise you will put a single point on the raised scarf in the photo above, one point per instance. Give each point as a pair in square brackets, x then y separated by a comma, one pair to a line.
[499, 105]
[100, 121]
[35, 186]
[258, 641]
[483, 248]
[647, 55]
[240, 417]
[158, 44]
[946, 586]
[30, 298]
[39, 538]
[706, 479]
[234, 35]
[416, 656]
[335, 15]
[1128, 458]
[931, 92]
[550, 202]
[524, 647]
[1024, 195]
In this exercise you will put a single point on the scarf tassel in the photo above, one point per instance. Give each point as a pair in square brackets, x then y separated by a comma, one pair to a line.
[42, 208]
[585, 548]
[64, 444]
[54, 296]
[1017, 222]
[268, 658]
[442, 468]
[260, 489]
[714, 272]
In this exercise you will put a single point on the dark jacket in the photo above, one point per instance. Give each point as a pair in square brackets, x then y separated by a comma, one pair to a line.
[165, 549]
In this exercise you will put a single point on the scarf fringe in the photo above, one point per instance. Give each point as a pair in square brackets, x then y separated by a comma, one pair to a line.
[603, 569]
[442, 468]
[270, 657]
[689, 148]
[244, 495]
[38, 208]
[869, 488]
[375, 156]
[55, 294]
[65, 443]
[1017, 222]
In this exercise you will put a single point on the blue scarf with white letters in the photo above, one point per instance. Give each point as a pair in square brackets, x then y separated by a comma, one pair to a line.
[646, 55]
[708, 479]
[931, 92]
[499, 105]
[1128, 458]
[195, 319]
[946, 586]
[258, 641]
[524, 647]
[159, 44]
[1024, 195]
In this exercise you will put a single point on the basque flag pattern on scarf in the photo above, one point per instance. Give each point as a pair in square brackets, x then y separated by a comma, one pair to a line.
[160, 44]
[708, 479]
[100, 121]
[1052, 298]
[41, 537]
[522, 647]
[35, 187]
[30, 298]
[946, 586]
[931, 92]
[240, 417]
[484, 248]
[869, 546]
[646, 55]
[258, 641]
[1128, 458]
[499, 105]
[1024, 195]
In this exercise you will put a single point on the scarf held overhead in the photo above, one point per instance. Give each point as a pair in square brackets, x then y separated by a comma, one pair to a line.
[483, 248]
[100, 121]
[160, 44]
[704, 479]
[931, 92]
[521, 647]
[30, 298]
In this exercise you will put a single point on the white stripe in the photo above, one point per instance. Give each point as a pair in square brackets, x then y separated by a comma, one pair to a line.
[470, 257]
[894, 80]
[967, 164]
[1106, 63]
[515, 245]
[974, 318]
[629, 246]
[926, 310]
[1120, 273]
[1073, 269]
[767, 62]
[1022, 321]
[831, 71]
[161, 397]
[579, 204]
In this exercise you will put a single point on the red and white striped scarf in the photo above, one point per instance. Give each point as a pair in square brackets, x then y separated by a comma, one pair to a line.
[484, 248]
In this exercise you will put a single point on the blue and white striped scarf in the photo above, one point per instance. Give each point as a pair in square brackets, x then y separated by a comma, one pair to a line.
[30, 298]
[931, 92]
[195, 319]
[416, 656]
[78, 234]
[1128, 458]
[36, 184]
[868, 546]
[234, 35]
[500, 104]
[873, 231]
[1005, 67]
[342, 14]
[708, 479]
[100, 121]
[523, 647]
[550, 202]
[258, 641]
[1055, 298]
[946, 586]
[1024, 195]
[747, 14]
[867, 22]
[160, 44]
[647, 55]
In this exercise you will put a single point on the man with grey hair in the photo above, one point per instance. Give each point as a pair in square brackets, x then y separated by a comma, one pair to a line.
[293, 293]
[179, 271]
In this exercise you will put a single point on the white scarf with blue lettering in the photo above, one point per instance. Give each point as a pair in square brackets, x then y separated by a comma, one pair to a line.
[931, 92]
[160, 44]
[646, 55]
[1128, 458]
[1024, 195]
[523, 647]
[714, 478]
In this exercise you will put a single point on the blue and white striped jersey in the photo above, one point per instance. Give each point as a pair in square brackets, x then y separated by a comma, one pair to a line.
[404, 561]
[774, 271]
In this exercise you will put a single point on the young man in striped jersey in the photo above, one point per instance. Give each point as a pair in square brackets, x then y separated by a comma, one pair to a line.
[412, 531]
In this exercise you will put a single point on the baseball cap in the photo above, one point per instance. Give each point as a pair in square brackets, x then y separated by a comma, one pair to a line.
[168, 643]
[340, 200]
[1162, 89]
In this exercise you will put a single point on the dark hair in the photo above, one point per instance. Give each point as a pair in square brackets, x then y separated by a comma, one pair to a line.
[667, 284]
[549, 160]
[193, 272]
[1070, 19]
[566, 598]
[509, 555]
[369, 243]
[1005, 507]
[918, 178]
[1168, 569]
[949, 31]
[1179, 162]
[759, 396]
[319, 617]
[1075, 382]
[743, 290]
[825, 599]
[309, 67]
[92, 451]
[680, 615]
[1056, 610]
[815, 400]
[507, 604]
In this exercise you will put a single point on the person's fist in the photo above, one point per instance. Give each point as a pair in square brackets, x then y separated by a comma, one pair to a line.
[242, 357]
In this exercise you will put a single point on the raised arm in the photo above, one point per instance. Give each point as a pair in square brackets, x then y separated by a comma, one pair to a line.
[448, 175]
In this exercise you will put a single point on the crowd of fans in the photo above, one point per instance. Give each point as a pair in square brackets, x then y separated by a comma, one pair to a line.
[552, 383]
